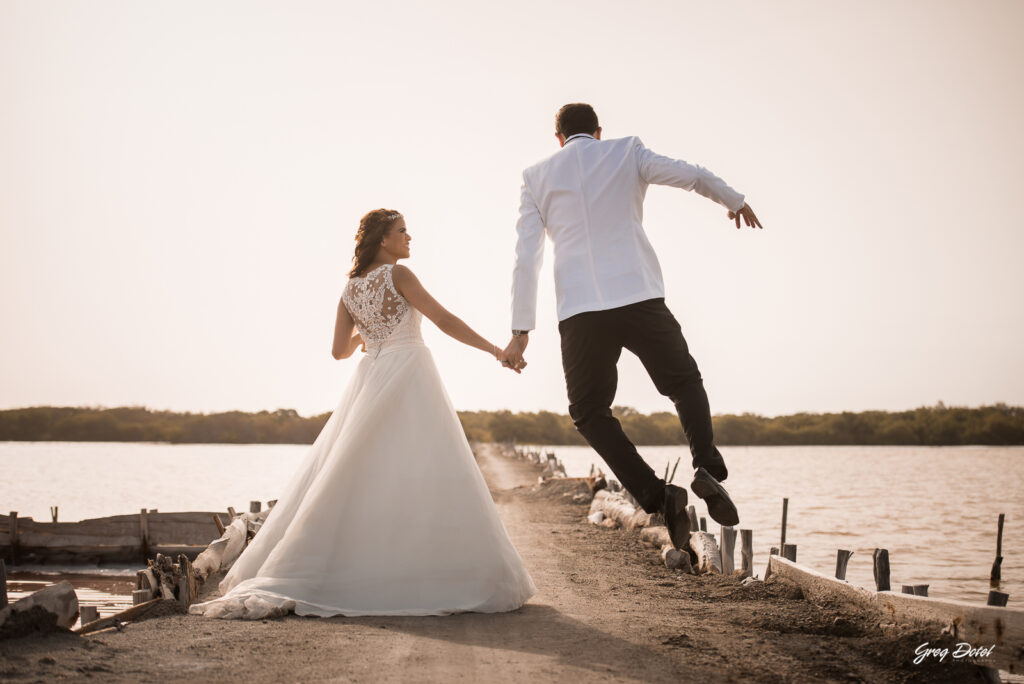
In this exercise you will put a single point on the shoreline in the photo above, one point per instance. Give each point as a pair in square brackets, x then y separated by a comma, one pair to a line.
[607, 610]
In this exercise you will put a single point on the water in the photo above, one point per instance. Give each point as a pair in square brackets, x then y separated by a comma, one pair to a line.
[934, 508]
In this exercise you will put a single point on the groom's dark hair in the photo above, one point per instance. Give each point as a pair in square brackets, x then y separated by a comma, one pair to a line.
[574, 118]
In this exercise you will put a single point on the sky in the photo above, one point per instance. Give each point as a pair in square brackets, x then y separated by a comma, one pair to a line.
[181, 183]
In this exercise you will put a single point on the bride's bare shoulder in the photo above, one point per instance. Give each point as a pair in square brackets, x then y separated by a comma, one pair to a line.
[400, 273]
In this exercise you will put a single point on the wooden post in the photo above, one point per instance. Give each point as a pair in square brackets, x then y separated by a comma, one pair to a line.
[3, 583]
[728, 550]
[842, 558]
[218, 523]
[789, 552]
[254, 506]
[703, 524]
[907, 589]
[53, 513]
[231, 512]
[785, 511]
[920, 590]
[673, 475]
[144, 532]
[881, 570]
[691, 513]
[997, 598]
[88, 613]
[747, 553]
[13, 531]
[666, 472]
[997, 573]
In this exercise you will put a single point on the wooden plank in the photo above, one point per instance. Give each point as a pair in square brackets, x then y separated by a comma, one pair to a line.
[3, 583]
[974, 623]
[128, 614]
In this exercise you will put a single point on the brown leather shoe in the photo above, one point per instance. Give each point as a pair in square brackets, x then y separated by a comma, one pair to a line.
[720, 506]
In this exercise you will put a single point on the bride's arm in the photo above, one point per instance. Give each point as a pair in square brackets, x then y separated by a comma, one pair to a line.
[408, 285]
[346, 338]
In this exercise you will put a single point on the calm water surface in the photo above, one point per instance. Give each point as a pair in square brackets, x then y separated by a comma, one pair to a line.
[934, 508]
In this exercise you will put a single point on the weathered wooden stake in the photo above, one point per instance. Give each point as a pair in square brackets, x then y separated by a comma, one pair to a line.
[13, 532]
[842, 558]
[728, 550]
[997, 573]
[144, 532]
[254, 506]
[920, 590]
[666, 472]
[691, 513]
[785, 511]
[789, 552]
[997, 598]
[53, 513]
[907, 589]
[703, 524]
[881, 570]
[231, 512]
[88, 613]
[747, 552]
[3, 583]
[218, 523]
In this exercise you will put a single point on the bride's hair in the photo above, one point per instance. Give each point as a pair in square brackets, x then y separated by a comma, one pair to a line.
[372, 229]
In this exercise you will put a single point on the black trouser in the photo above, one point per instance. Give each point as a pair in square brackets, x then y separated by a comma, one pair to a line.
[591, 344]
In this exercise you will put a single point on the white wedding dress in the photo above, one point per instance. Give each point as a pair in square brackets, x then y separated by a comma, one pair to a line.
[388, 513]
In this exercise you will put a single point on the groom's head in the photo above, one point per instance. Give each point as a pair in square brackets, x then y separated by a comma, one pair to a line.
[576, 118]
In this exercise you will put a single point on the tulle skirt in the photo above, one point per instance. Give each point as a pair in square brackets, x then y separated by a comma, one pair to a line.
[387, 514]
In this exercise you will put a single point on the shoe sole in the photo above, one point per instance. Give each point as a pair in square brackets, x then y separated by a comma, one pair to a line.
[721, 508]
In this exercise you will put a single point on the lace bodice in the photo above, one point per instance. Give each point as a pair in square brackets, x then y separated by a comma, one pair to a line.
[382, 316]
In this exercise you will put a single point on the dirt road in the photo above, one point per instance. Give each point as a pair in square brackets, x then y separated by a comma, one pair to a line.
[607, 610]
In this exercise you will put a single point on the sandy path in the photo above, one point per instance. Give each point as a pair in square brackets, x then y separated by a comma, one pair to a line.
[606, 610]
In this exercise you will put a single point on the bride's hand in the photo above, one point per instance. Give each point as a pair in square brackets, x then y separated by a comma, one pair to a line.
[503, 358]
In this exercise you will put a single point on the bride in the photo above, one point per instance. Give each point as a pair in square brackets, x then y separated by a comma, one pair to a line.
[388, 513]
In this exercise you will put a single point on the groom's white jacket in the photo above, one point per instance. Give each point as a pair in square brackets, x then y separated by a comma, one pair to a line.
[588, 198]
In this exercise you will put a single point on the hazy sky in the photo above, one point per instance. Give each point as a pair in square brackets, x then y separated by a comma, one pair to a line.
[180, 185]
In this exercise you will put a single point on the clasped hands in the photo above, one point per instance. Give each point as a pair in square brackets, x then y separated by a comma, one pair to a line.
[512, 356]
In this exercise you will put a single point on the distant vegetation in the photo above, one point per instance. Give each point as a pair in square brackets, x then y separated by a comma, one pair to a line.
[930, 426]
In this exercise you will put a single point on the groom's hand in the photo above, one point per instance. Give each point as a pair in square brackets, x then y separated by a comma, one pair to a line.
[514, 352]
[748, 215]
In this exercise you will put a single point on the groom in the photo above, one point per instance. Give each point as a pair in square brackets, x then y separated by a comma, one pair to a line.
[588, 199]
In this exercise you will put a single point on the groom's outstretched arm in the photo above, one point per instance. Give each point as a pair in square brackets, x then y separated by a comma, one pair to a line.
[529, 257]
[661, 170]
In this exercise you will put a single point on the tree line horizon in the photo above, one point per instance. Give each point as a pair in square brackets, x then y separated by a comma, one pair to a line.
[939, 425]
